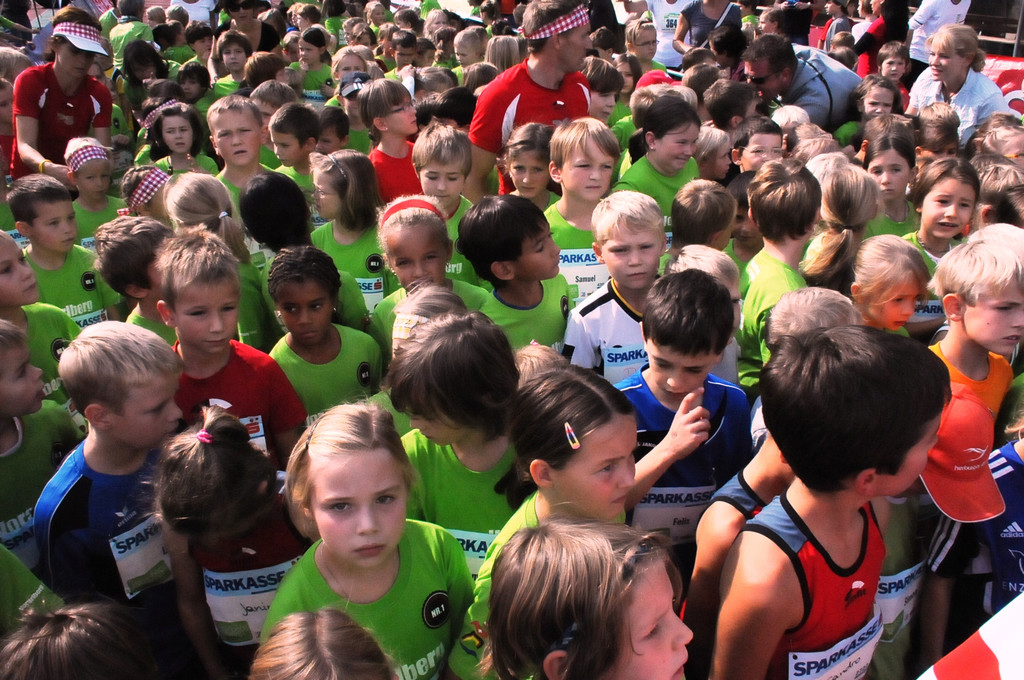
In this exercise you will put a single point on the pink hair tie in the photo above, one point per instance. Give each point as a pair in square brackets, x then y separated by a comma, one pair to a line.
[566, 22]
[408, 204]
[86, 154]
[204, 436]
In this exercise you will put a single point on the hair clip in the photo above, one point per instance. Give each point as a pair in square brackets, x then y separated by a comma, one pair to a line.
[574, 442]
[563, 643]
[223, 214]
[204, 436]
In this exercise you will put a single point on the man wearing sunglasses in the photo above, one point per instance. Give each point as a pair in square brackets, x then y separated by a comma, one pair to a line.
[800, 76]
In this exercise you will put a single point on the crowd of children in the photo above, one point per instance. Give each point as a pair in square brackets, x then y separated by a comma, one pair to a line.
[694, 387]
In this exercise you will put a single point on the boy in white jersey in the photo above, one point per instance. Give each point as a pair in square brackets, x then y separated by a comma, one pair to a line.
[604, 333]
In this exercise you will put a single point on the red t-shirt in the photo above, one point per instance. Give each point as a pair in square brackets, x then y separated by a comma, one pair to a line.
[867, 63]
[514, 99]
[251, 387]
[395, 176]
[37, 95]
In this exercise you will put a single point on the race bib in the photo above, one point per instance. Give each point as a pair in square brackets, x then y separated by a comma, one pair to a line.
[474, 545]
[239, 600]
[622, 361]
[897, 598]
[84, 315]
[581, 269]
[372, 290]
[257, 433]
[18, 536]
[89, 243]
[673, 510]
[141, 559]
[848, 659]
[928, 310]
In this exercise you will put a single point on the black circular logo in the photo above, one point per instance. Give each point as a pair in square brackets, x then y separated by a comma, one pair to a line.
[57, 347]
[89, 280]
[565, 306]
[374, 263]
[436, 609]
[363, 374]
[458, 246]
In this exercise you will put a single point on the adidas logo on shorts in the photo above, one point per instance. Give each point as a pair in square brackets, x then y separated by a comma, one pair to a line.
[1012, 530]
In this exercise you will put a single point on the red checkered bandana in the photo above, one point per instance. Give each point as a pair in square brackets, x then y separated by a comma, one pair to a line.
[567, 22]
[86, 154]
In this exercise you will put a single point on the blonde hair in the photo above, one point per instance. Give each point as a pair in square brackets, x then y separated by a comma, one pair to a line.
[321, 645]
[568, 584]
[710, 141]
[341, 54]
[849, 199]
[807, 309]
[413, 218]
[1004, 235]
[976, 268]
[348, 429]
[376, 100]
[708, 260]
[194, 256]
[442, 144]
[236, 104]
[996, 140]
[200, 200]
[961, 40]
[790, 116]
[532, 360]
[12, 63]
[77, 143]
[883, 263]
[504, 52]
[626, 211]
[110, 358]
[574, 136]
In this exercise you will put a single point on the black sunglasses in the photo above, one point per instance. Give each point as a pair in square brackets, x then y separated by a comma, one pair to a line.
[760, 80]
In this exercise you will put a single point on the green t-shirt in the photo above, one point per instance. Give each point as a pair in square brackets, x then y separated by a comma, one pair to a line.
[883, 224]
[236, 192]
[618, 113]
[107, 21]
[352, 375]
[769, 279]
[359, 140]
[402, 423]
[312, 81]
[930, 309]
[623, 129]
[202, 160]
[76, 288]
[305, 182]
[44, 438]
[730, 250]
[461, 500]
[544, 323]
[361, 259]
[125, 32]
[222, 87]
[179, 54]
[89, 221]
[351, 307]
[459, 267]
[7, 223]
[335, 26]
[21, 591]
[846, 132]
[163, 330]
[203, 105]
[50, 330]
[469, 650]
[642, 177]
[383, 318]
[257, 325]
[577, 262]
[269, 159]
[416, 621]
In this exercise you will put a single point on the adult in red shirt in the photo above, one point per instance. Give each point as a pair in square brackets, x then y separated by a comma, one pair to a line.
[546, 88]
[60, 100]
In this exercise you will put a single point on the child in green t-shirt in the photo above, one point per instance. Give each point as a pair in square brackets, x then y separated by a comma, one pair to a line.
[583, 155]
[89, 169]
[126, 251]
[334, 130]
[527, 159]
[176, 140]
[65, 272]
[294, 131]
[510, 245]
[456, 377]
[327, 363]
[232, 50]
[784, 202]
[34, 437]
[442, 156]
[315, 66]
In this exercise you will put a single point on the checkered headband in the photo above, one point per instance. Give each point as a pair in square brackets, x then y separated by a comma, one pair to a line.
[567, 22]
[146, 190]
[86, 154]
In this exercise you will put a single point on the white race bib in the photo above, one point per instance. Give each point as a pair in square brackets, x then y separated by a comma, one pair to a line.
[372, 290]
[897, 599]
[141, 558]
[239, 600]
[474, 545]
[622, 361]
[848, 659]
[673, 510]
[257, 433]
[581, 269]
